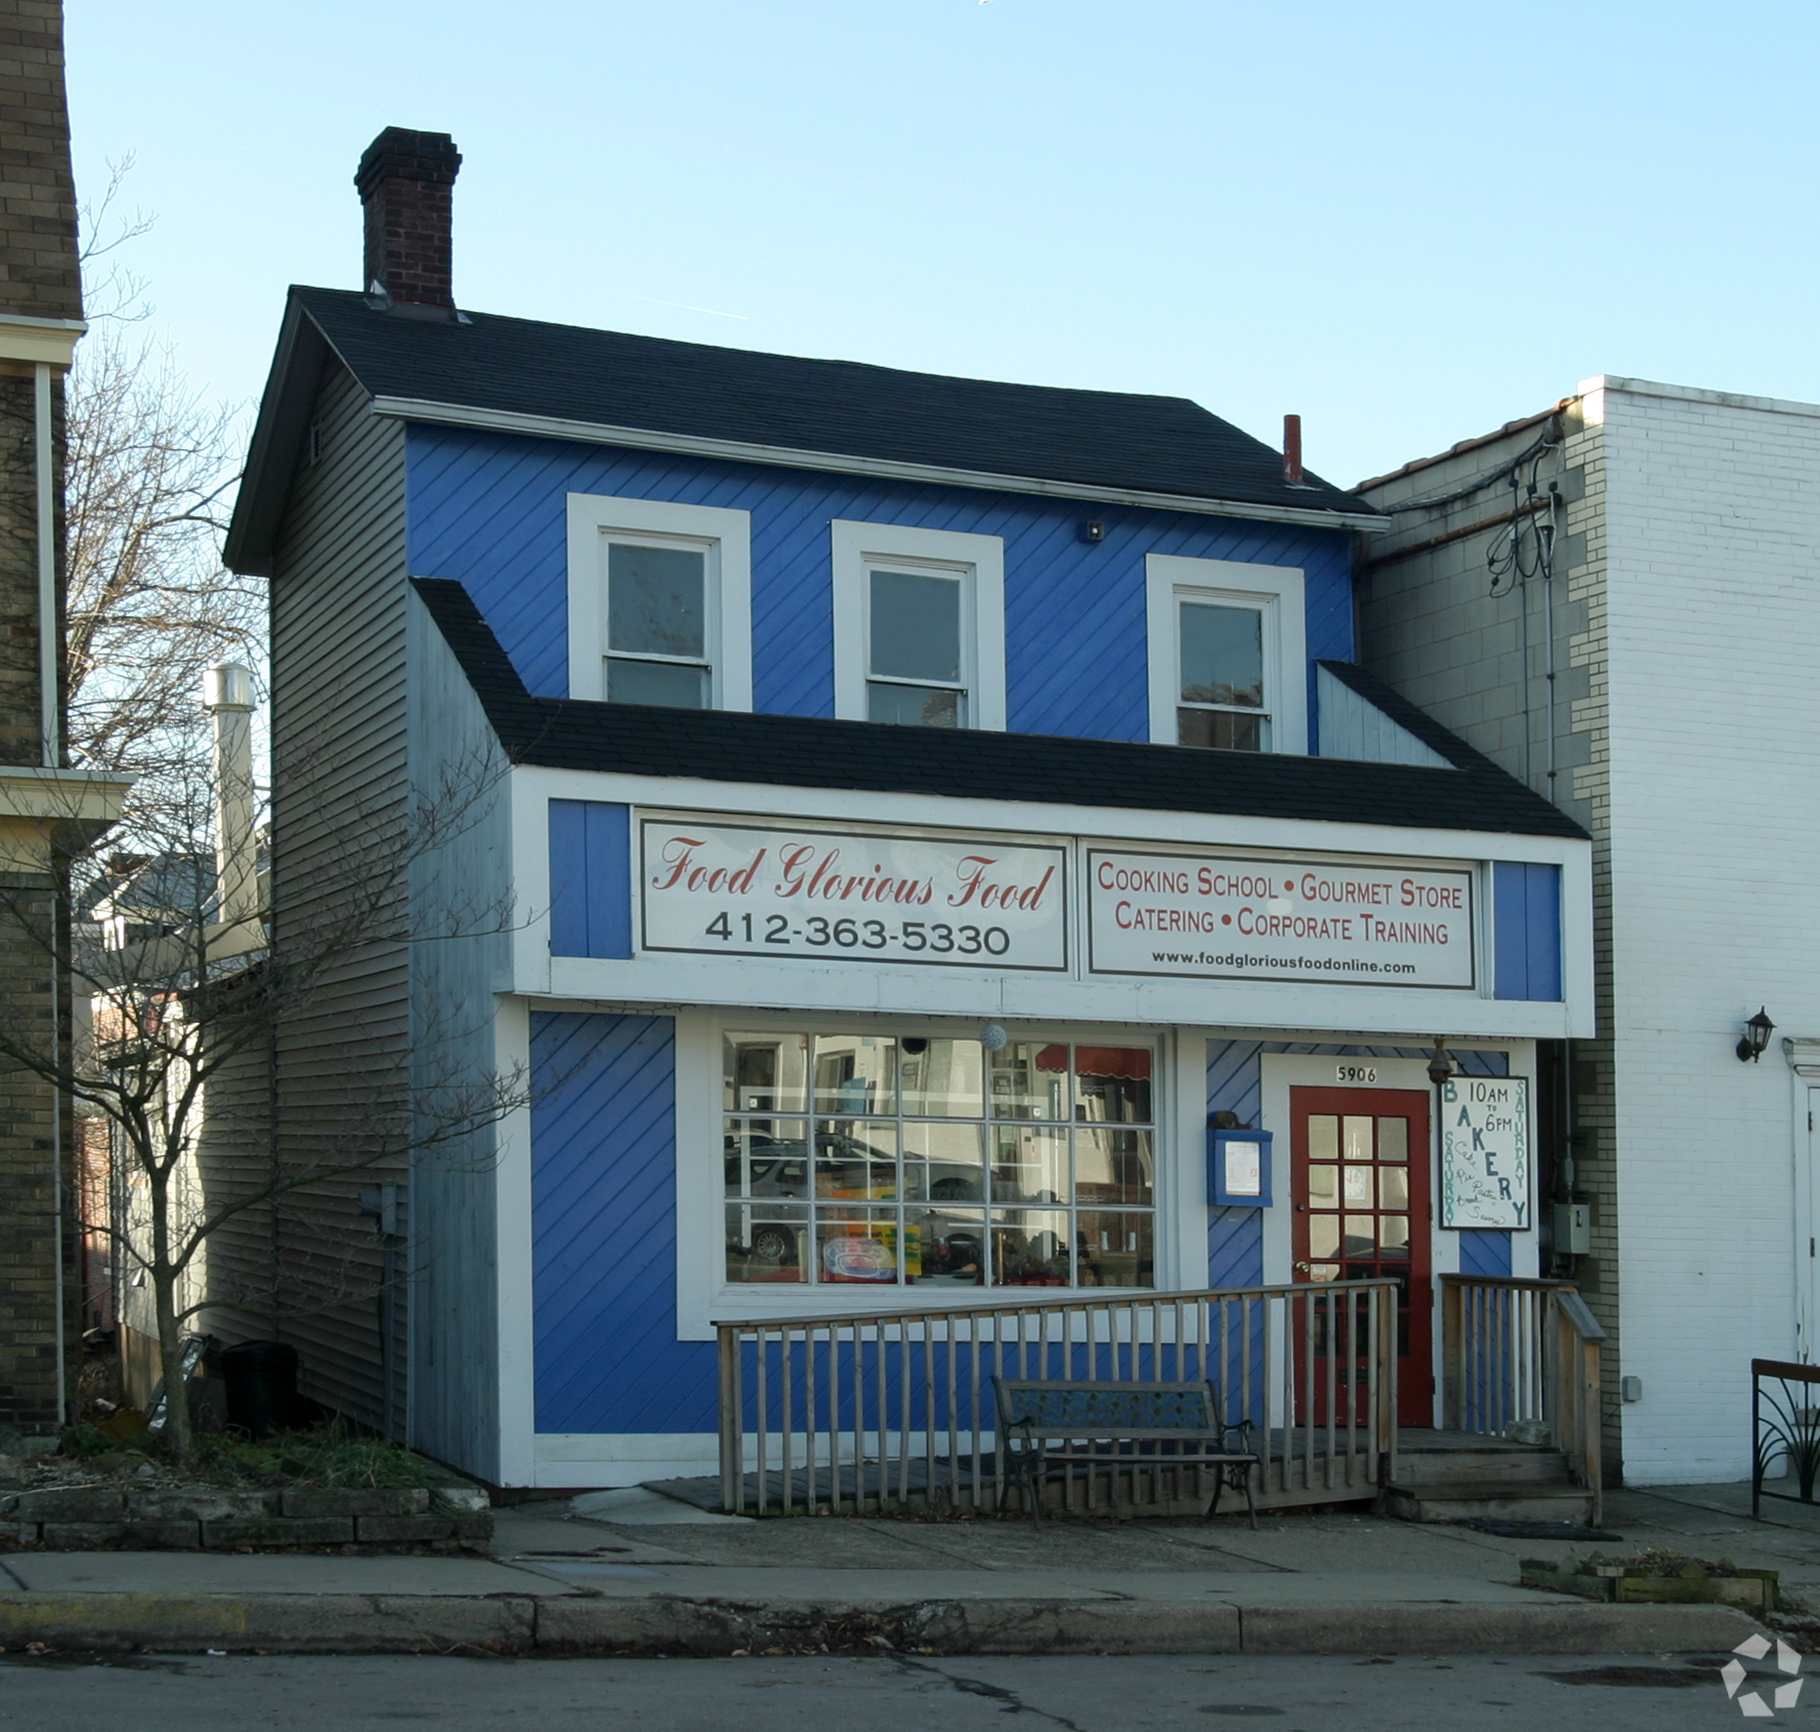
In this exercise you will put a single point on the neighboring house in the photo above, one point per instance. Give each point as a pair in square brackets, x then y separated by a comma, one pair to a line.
[45, 807]
[964, 790]
[1618, 600]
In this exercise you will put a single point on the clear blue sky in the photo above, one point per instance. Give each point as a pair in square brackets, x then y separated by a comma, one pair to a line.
[1408, 222]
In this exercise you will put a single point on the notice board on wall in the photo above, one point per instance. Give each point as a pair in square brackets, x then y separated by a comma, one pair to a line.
[1485, 1153]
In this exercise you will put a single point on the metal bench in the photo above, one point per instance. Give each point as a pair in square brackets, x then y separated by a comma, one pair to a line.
[1043, 1426]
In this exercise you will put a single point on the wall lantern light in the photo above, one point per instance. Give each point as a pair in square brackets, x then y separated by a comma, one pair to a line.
[1440, 1065]
[1756, 1037]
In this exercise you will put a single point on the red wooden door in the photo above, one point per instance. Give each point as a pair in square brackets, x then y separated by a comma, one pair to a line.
[1360, 1177]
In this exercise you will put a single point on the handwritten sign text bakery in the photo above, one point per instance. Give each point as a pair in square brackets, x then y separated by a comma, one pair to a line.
[1252, 919]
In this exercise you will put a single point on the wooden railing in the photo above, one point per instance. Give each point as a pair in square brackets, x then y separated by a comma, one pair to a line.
[1523, 1350]
[894, 1408]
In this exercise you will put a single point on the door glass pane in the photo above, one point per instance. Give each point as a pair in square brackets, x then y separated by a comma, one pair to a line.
[1358, 1139]
[855, 1074]
[668, 685]
[1393, 1235]
[915, 706]
[1393, 1139]
[1323, 1137]
[1323, 1187]
[1393, 1187]
[1112, 1084]
[1358, 1188]
[1323, 1271]
[1323, 1235]
[654, 600]
[1115, 1250]
[916, 625]
[1361, 1235]
[764, 1072]
[1222, 655]
[1029, 1165]
[1219, 730]
[1030, 1081]
[941, 1078]
[942, 1163]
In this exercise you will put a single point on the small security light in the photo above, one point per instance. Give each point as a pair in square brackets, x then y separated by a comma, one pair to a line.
[1440, 1066]
[1090, 532]
[1756, 1037]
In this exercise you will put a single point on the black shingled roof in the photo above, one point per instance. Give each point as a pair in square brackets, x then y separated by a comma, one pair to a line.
[808, 752]
[1106, 439]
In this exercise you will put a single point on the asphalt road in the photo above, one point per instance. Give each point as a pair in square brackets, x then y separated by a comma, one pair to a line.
[71, 1693]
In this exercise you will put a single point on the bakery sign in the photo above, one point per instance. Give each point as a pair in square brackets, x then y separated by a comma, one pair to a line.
[1232, 918]
[1485, 1153]
[868, 896]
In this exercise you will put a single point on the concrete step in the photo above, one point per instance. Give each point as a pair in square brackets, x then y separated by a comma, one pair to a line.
[1508, 1464]
[1489, 1500]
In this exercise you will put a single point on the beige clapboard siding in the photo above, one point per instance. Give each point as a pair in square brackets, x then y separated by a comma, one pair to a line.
[339, 779]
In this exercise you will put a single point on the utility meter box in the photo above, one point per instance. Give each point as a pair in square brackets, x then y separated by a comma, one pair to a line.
[1573, 1229]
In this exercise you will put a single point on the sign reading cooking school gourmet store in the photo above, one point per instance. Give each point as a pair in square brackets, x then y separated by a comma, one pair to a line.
[1250, 919]
[852, 896]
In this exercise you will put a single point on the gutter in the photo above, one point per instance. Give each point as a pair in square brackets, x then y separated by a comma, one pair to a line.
[842, 463]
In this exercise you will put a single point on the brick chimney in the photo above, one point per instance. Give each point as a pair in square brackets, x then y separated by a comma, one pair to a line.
[406, 181]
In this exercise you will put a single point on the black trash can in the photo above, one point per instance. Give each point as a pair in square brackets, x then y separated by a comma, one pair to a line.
[261, 1379]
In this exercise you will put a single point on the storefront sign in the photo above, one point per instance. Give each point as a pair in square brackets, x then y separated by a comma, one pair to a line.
[852, 896]
[1232, 919]
[1485, 1153]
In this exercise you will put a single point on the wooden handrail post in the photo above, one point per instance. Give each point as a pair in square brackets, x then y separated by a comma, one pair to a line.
[1453, 1356]
[732, 1467]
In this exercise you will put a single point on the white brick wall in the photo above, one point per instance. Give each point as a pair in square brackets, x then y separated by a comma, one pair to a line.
[1712, 523]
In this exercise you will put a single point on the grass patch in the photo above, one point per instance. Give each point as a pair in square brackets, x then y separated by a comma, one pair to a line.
[333, 1457]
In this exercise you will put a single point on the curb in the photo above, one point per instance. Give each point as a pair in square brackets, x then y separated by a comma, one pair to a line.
[511, 1624]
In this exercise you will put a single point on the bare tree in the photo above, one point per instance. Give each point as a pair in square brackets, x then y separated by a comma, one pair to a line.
[184, 1005]
[148, 482]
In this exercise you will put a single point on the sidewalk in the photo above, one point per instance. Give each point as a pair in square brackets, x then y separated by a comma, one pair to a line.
[636, 1572]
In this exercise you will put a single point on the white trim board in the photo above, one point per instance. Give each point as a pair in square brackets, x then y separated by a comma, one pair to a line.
[728, 535]
[1276, 591]
[980, 559]
[842, 463]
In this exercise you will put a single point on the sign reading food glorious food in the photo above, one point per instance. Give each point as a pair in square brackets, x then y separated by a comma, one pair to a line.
[852, 895]
[1249, 919]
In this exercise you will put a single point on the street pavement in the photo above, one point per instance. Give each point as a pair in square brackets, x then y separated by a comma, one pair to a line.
[633, 1572]
[1624, 1693]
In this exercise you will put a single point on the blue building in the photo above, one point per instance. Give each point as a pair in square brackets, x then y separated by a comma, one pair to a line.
[906, 812]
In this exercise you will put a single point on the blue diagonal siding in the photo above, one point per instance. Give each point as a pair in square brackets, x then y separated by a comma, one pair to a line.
[603, 1218]
[489, 510]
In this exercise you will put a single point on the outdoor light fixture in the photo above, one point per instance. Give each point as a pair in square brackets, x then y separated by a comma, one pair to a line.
[993, 1038]
[1756, 1037]
[1440, 1066]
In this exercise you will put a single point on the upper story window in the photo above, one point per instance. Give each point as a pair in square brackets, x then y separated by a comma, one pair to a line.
[919, 626]
[660, 607]
[1227, 655]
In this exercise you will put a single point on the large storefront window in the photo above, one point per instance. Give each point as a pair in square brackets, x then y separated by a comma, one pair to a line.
[899, 1161]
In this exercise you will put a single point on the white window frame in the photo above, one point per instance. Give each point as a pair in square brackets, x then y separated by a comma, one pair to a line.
[704, 1296]
[594, 519]
[979, 560]
[1276, 591]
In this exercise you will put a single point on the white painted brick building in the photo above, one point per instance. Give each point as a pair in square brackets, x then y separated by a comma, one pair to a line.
[1653, 663]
